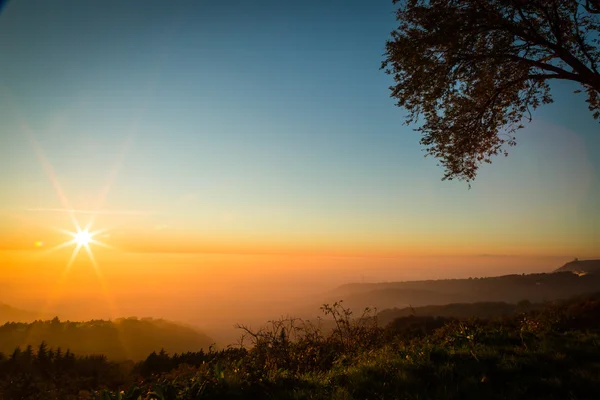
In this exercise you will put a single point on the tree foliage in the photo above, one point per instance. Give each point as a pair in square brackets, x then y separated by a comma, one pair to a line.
[473, 70]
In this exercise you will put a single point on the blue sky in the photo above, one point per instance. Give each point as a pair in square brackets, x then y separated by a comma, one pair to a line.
[268, 120]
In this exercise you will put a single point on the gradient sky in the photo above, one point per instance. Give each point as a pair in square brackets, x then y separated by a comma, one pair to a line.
[260, 127]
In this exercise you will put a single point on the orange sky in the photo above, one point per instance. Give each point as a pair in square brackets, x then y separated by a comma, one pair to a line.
[215, 288]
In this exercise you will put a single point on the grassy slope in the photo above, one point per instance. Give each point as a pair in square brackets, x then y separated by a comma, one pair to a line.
[549, 354]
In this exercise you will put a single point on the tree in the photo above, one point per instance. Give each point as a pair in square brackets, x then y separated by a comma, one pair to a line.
[473, 70]
[27, 355]
[16, 355]
[42, 354]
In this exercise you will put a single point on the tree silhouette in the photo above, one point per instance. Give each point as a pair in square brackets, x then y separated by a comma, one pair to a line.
[42, 354]
[473, 70]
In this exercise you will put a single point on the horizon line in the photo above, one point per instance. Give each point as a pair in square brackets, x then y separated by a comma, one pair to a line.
[97, 212]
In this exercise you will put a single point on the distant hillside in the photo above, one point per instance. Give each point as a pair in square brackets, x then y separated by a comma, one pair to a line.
[535, 288]
[122, 339]
[581, 267]
[484, 310]
[12, 314]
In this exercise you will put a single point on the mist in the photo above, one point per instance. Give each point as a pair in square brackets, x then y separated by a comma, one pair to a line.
[216, 291]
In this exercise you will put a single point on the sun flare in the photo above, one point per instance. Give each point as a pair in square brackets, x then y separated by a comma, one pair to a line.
[83, 238]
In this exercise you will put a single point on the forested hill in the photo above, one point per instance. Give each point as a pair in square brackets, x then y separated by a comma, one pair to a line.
[122, 339]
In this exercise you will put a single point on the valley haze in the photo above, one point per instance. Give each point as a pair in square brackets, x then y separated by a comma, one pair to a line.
[256, 302]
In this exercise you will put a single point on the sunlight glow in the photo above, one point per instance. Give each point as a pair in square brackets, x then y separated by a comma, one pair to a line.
[83, 237]
[80, 237]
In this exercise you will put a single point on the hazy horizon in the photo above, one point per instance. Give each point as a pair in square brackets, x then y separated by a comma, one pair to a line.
[229, 291]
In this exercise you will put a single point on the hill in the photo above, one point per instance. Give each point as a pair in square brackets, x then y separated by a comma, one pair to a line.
[535, 288]
[121, 339]
[483, 310]
[12, 314]
[581, 267]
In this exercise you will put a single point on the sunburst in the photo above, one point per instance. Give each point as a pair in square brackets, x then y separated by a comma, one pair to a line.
[82, 238]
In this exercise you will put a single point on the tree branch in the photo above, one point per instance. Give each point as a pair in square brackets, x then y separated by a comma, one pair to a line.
[554, 22]
[592, 6]
[544, 77]
[581, 43]
[588, 75]
[534, 63]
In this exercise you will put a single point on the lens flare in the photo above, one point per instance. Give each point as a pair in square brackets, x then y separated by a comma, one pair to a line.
[82, 238]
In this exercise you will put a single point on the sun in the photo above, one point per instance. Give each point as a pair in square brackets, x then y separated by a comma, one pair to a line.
[83, 238]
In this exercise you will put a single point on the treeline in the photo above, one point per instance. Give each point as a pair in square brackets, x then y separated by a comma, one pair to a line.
[122, 339]
[53, 373]
[35, 373]
[162, 362]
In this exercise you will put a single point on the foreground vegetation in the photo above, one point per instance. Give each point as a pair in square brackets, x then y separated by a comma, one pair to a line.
[552, 353]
